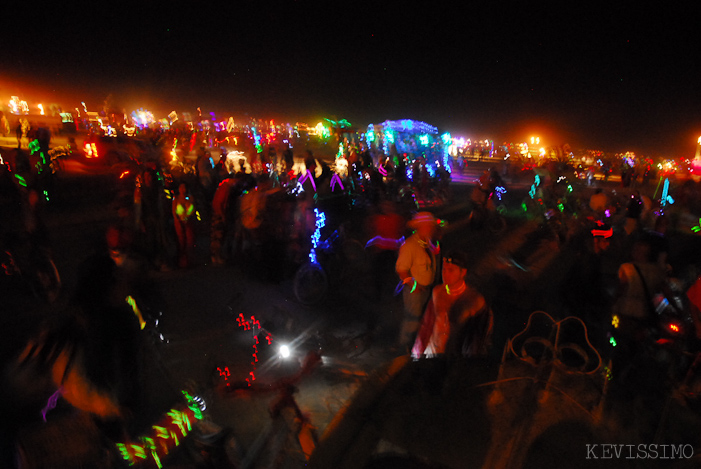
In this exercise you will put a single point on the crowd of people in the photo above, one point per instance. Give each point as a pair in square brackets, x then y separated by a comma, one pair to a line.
[258, 213]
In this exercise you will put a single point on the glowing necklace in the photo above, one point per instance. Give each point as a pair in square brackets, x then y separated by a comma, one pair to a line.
[456, 291]
[435, 249]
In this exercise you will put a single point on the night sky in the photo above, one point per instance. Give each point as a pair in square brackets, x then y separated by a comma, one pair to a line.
[599, 76]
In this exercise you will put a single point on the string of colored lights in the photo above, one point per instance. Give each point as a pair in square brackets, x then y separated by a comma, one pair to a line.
[164, 436]
[248, 325]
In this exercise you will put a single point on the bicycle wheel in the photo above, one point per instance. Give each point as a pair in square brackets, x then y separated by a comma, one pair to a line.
[310, 284]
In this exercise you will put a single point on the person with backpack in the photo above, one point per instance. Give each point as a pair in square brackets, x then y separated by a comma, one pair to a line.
[633, 314]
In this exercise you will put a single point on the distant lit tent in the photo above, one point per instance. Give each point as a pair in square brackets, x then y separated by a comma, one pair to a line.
[410, 138]
[405, 136]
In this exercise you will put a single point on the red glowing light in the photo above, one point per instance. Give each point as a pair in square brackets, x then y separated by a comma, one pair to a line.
[249, 325]
[602, 233]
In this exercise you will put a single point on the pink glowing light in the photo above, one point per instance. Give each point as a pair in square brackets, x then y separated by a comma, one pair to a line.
[335, 179]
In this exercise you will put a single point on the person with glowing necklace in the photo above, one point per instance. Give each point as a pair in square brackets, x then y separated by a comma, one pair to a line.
[183, 209]
[457, 320]
[416, 266]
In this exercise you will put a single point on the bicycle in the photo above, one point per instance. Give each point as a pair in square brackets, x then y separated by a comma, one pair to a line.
[331, 262]
[482, 216]
[488, 210]
[289, 434]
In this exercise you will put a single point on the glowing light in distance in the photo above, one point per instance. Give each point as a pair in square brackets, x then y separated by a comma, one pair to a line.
[389, 136]
[322, 131]
[18, 106]
[142, 117]
[90, 150]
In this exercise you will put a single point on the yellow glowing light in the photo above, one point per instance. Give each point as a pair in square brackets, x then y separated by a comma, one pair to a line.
[18, 106]
[90, 150]
[615, 322]
[132, 302]
[41, 109]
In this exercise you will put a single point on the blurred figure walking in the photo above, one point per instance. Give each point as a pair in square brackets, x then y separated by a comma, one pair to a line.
[416, 266]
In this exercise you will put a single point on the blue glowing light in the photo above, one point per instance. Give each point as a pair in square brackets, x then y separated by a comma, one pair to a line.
[665, 193]
[389, 136]
[536, 183]
[410, 126]
[500, 191]
[316, 236]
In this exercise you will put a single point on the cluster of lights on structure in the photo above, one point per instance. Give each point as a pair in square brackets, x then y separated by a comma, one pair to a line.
[142, 117]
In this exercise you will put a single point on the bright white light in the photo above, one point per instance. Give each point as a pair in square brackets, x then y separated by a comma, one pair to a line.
[284, 351]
